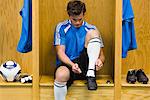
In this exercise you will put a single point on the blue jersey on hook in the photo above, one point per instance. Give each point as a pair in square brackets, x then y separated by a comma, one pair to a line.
[25, 42]
[128, 32]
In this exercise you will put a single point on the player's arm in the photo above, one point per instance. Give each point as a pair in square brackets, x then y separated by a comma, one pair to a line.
[102, 56]
[60, 50]
[101, 59]
[59, 42]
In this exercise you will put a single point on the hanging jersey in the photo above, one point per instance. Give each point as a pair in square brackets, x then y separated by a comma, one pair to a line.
[25, 42]
[128, 32]
[72, 38]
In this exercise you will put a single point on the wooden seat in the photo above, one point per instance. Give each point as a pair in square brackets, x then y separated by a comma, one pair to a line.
[46, 80]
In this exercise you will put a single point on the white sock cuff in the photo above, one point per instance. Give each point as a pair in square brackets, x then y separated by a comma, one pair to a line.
[59, 84]
[96, 39]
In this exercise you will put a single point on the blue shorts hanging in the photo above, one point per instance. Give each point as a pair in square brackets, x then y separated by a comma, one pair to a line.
[25, 42]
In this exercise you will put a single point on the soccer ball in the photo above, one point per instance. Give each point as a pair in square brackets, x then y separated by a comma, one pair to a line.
[10, 70]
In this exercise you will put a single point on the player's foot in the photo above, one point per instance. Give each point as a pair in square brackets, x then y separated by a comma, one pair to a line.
[91, 83]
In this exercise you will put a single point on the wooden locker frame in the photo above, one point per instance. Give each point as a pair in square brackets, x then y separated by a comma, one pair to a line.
[118, 41]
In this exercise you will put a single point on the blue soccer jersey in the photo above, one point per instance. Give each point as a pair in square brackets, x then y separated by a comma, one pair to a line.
[128, 32]
[25, 42]
[73, 38]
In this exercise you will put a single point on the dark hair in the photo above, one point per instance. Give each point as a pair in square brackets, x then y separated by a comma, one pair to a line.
[75, 7]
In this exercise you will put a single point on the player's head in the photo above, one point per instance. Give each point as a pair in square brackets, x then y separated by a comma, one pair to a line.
[76, 10]
[75, 7]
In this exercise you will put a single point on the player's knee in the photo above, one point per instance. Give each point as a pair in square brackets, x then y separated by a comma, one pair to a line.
[62, 74]
[92, 34]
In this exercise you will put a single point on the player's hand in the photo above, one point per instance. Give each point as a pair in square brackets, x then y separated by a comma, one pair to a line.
[76, 69]
[98, 64]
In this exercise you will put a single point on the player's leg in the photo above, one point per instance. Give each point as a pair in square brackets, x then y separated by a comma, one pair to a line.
[93, 44]
[62, 75]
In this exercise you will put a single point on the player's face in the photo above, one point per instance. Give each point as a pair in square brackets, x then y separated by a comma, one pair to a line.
[77, 20]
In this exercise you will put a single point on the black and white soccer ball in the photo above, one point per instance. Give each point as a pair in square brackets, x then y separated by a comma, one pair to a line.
[10, 70]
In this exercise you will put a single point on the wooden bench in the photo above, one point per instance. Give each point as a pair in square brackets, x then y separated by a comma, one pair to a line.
[78, 90]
